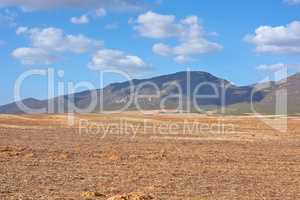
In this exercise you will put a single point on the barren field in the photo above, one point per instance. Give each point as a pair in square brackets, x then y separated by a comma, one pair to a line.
[158, 156]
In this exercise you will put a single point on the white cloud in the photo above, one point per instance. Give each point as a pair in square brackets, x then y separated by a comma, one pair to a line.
[292, 2]
[83, 19]
[21, 29]
[188, 32]
[162, 49]
[105, 59]
[50, 41]
[31, 56]
[278, 40]
[101, 12]
[153, 25]
[276, 67]
[271, 67]
[54, 39]
[30, 5]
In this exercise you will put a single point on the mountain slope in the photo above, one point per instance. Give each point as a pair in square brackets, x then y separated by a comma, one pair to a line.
[197, 89]
[13, 108]
[279, 98]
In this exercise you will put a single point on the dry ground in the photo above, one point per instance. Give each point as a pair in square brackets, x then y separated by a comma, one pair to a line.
[45, 157]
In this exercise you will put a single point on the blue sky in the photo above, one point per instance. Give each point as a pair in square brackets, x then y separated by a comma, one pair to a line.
[145, 39]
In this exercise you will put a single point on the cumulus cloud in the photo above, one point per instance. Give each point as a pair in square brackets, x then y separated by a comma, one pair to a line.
[31, 56]
[292, 2]
[30, 5]
[188, 33]
[54, 39]
[83, 19]
[153, 25]
[105, 59]
[49, 41]
[277, 40]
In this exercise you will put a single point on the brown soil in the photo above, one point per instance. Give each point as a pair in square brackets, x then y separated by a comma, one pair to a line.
[45, 157]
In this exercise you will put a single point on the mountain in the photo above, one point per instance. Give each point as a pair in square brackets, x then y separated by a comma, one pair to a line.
[13, 108]
[197, 89]
[279, 97]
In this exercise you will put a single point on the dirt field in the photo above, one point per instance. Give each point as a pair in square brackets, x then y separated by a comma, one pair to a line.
[162, 156]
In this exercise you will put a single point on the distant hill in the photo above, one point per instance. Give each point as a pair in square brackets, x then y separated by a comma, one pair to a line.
[13, 108]
[271, 96]
[214, 92]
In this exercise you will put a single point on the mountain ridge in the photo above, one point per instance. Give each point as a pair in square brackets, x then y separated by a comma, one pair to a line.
[117, 95]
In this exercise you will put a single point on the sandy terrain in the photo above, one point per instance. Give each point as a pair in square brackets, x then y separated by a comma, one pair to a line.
[152, 156]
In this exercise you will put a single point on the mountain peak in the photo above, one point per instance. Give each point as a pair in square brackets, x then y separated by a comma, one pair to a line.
[183, 83]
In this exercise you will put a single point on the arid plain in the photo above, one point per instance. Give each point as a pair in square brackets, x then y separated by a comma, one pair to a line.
[153, 156]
